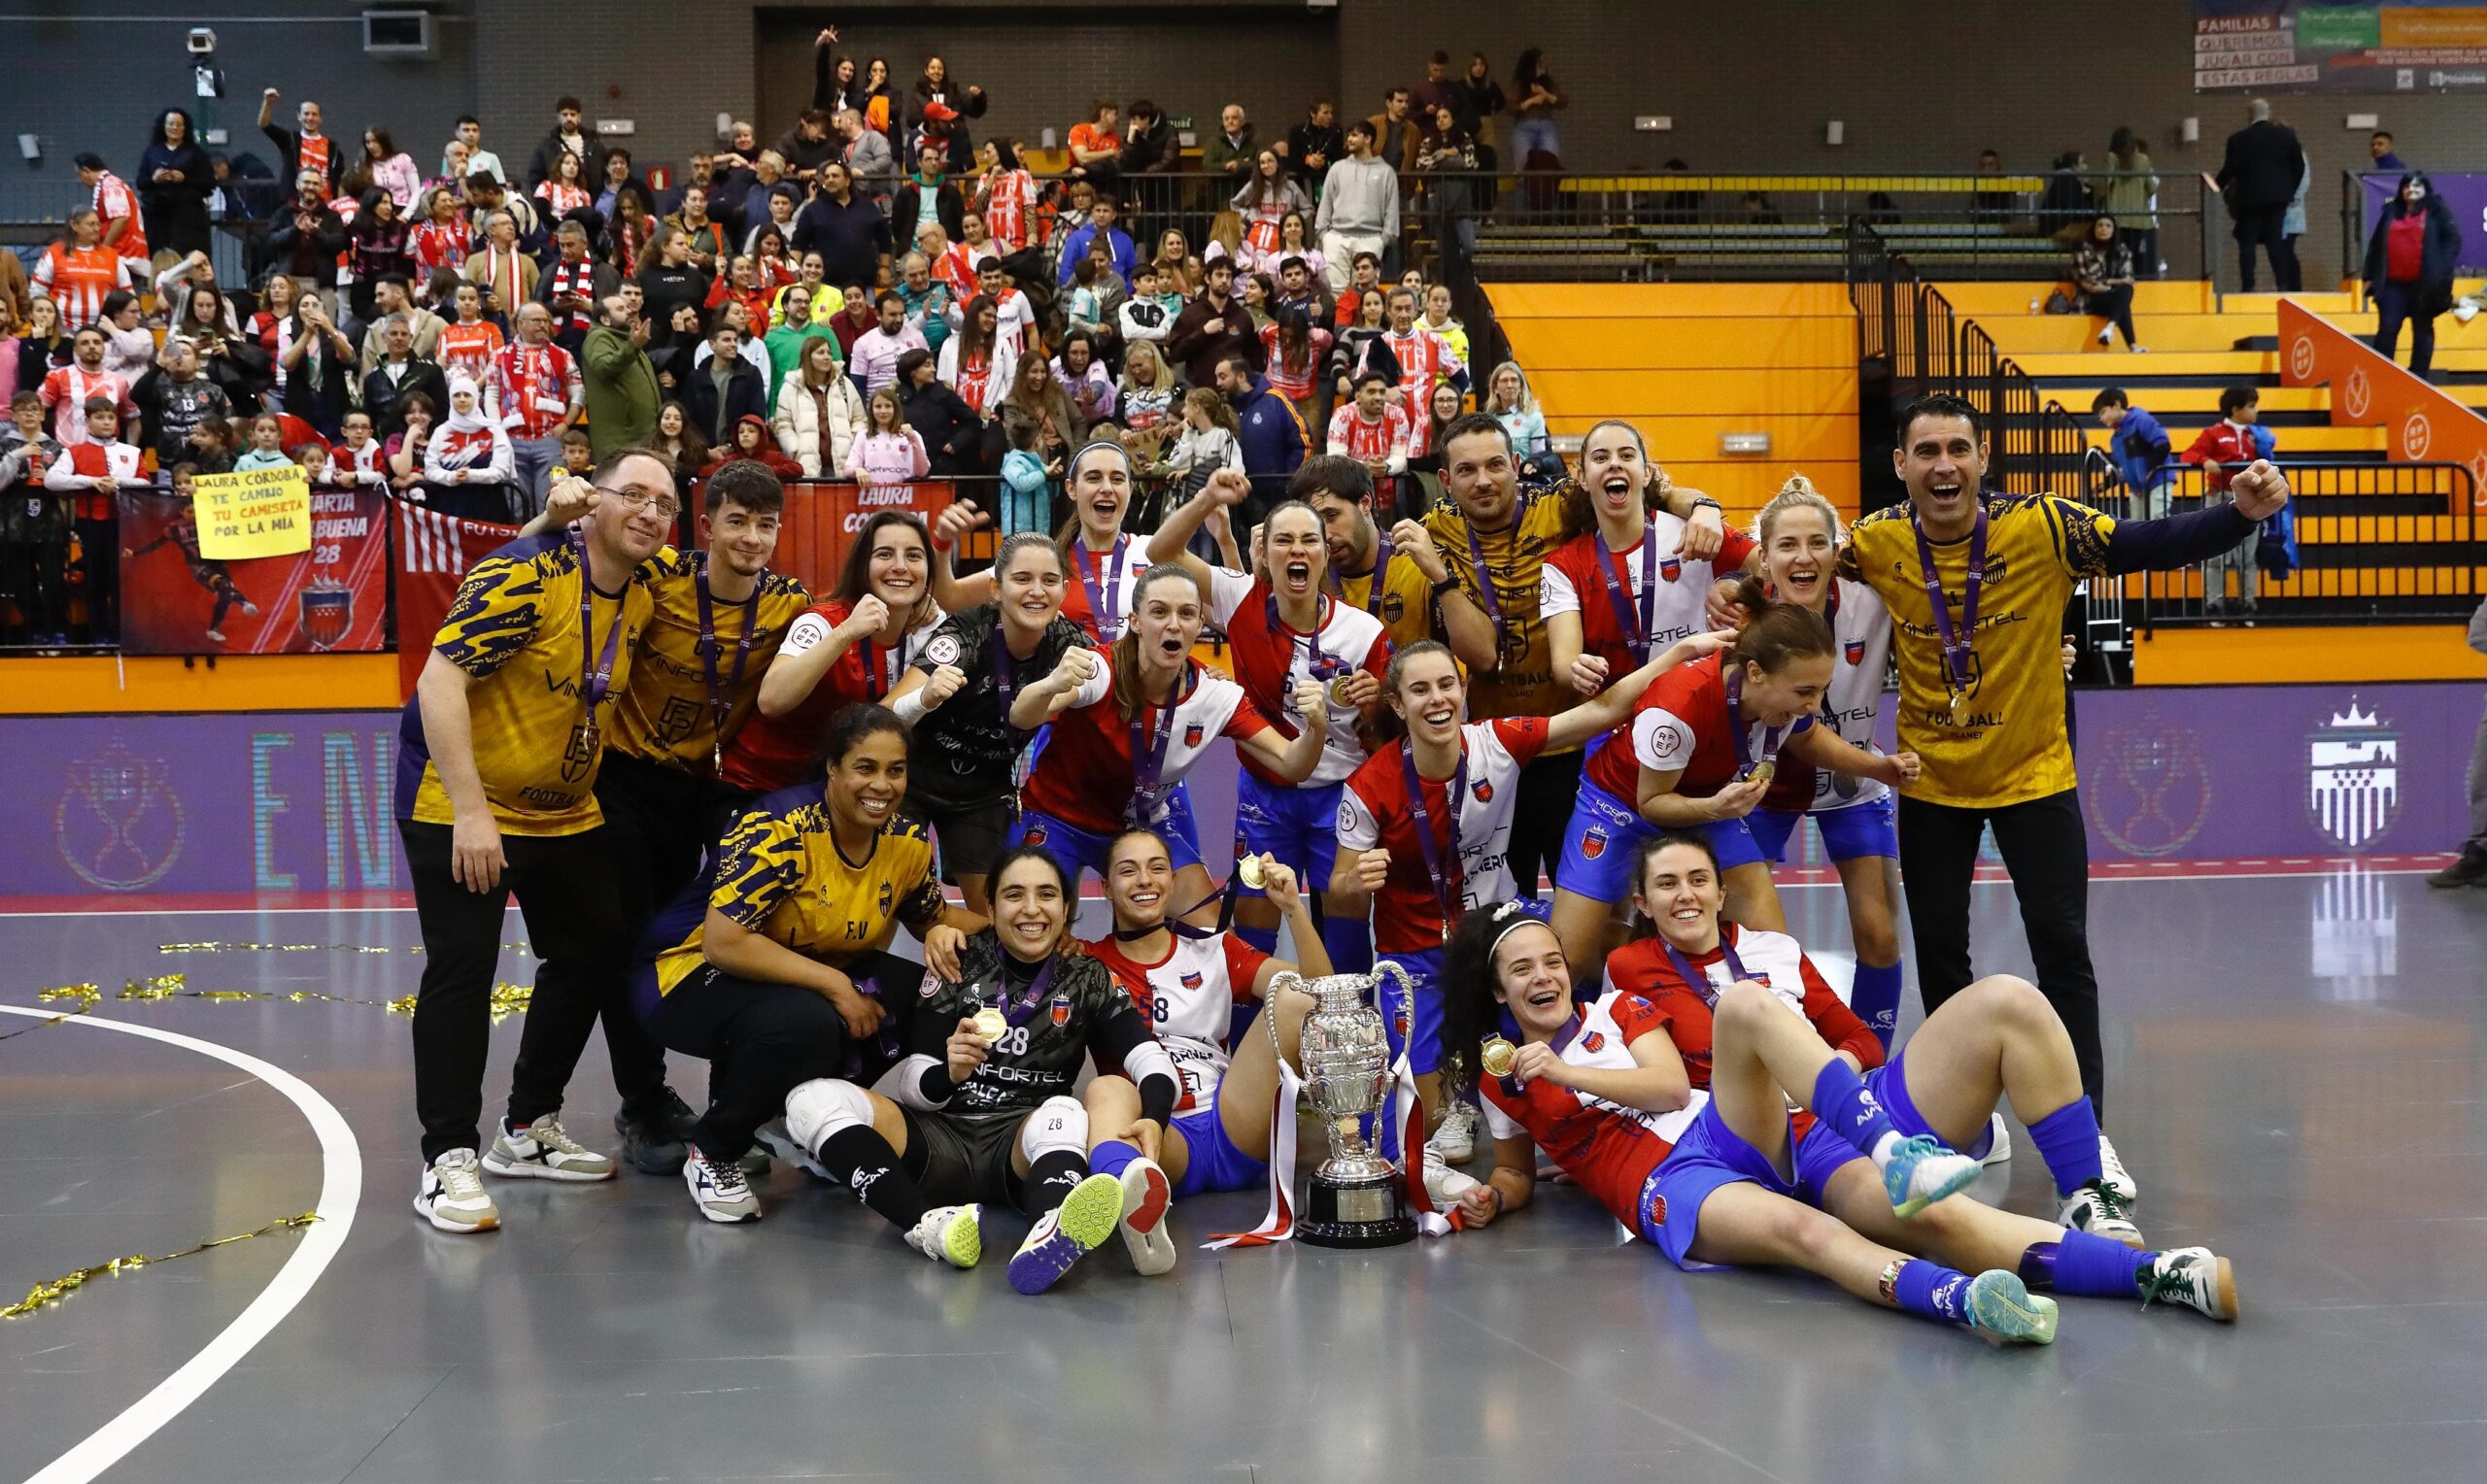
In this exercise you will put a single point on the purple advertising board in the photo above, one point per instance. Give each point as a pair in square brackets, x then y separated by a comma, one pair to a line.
[2465, 196]
[300, 801]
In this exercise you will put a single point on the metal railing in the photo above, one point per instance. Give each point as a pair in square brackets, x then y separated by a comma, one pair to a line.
[2378, 542]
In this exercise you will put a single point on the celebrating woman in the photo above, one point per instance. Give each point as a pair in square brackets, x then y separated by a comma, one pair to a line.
[982, 1109]
[1127, 726]
[958, 694]
[1187, 982]
[788, 976]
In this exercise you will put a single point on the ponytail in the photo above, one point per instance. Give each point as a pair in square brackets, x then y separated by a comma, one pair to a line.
[1775, 633]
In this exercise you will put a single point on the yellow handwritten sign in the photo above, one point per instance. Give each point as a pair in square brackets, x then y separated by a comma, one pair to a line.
[258, 513]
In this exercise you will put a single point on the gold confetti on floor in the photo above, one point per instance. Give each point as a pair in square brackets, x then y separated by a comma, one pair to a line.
[44, 1294]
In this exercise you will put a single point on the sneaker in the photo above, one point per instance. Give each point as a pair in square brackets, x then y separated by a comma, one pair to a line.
[2002, 1306]
[2100, 1211]
[951, 1234]
[755, 1162]
[1921, 1173]
[451, 1195]
[250, 609]
[2102, 336]
[652, 1141]
[781, 1143]
[2193, 1277]
[1068, 1232]
[2114, 1176]
[1147, 1193]
[2138, 349]
[719, 1189]
[544, 1151]
[2468, 869]
[1443, 1182]
[1998, 1147]
[1456, 1135]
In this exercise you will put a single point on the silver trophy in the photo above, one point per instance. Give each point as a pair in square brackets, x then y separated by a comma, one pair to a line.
[1356, 1199]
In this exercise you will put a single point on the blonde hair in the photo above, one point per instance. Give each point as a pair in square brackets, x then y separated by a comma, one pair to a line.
[1798, 494]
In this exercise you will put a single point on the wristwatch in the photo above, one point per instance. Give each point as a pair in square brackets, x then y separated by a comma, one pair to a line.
[1445, 586]
[1700, 500]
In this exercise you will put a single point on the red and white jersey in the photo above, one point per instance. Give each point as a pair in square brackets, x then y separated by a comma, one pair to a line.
[1116, 576]
[1086, 776]
[956, 267]
[1570, 581]
[1188, 997]
[768, 752]
[115, 201]
[1863, 628]
[1425, 361]
[365, 465]
[1272, 659]
[1373, 815]
[534, 387]
[437, 245]
[77, 278]
[1384, 437]
[1608, 1149]
[469, 348]
[1680, 724]
[1772, 960]
[1010, 209]
[1015, 319]
[66, 390]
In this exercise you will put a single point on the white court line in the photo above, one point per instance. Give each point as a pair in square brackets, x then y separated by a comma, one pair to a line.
[340, 1191]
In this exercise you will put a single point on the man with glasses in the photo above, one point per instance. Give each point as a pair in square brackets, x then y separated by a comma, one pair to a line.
[718, 618]
[497, 758]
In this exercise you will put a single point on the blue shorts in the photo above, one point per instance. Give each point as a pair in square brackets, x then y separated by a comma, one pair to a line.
[1889, 1086]
[1181, 832]
[1711, 1154]
[1424, 1036]
[1599, 843]
[1299, 824]
[1074, 849]
[1854, 832]
[1215, 1163]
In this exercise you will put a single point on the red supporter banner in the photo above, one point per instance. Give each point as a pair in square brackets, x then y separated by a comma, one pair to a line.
[433, 552]
[332, 597]
[823, 520]
[2369, 389]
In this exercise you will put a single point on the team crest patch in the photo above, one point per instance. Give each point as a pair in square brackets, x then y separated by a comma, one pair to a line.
[943, 650]
[1192, 734]
[1856, 649]
[1592, 1041]
[1593, 843]
[1061, 1010]
[1670, 567]
[1191, 981]
[931, 987]
[1035, 834]
[1393, 609]
[1484, 789]
[1346, 817]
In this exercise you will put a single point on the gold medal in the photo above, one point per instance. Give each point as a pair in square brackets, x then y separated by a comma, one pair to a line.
[991, 1024]
[1498, 1058]
[1247, 870]
[1338, 691]
[1763, 770]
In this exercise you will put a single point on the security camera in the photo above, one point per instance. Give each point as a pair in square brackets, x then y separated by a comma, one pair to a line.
[202, 42]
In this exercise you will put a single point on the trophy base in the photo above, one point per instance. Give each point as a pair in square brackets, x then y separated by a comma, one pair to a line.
[1359, 1213]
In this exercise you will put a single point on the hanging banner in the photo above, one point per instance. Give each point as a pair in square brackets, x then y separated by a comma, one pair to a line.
[2283, 45]
[253, 512]
[822, 520]
[331, 594]
[433, 552]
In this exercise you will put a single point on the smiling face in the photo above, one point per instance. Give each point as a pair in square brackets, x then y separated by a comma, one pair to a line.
[1029, 910]
[1942, 460]
[1532, 978]
[867, 784]
[1140, 878]
[1614, 469]
[669, 420]
[1482, 481]
[1428, 696]
[900, 570]
[742, 539]
[1031, 588]
[1797, 553]
[1795, 689]
[1100, 493]
[1679, 891]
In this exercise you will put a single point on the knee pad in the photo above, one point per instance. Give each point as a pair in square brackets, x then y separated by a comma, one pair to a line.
[1060, 1125]
[820, 1107]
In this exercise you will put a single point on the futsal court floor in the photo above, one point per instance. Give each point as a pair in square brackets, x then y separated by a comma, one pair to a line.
[2294, 1064]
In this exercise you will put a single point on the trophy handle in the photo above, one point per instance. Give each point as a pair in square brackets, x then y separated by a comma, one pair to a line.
[1392, 968]
[1284, 979]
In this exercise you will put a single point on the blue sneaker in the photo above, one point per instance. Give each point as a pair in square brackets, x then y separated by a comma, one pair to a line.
[1071, 1231]
[1921, 1173]
[2001, 1305]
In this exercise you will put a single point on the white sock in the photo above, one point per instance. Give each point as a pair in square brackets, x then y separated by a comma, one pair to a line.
[1884, 1148]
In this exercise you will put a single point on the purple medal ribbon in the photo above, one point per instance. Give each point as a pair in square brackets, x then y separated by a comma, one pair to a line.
[595, 675]
[1636, 637]
[1318, 666]
[1699, 982]
[1562, 1038]
[721, 699]
[1015, 1010]
[1959, 640]
[1381, 579]
[1103, 602]
[1005, 675]
[1148, 744]
[1448, 884]
[1486, 581]
[1771, 736]
[874, 686]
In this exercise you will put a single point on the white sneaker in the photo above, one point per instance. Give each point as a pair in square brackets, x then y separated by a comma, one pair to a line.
[719, 1189]
[1999, 1143]
[951, 1234]
[2114, 1176]
[2102, 337]
[2100, 1211]
[544, 1151]
[1443, 1182]
[778, 1141]
[1455, 1136]
[2195, 1277]
[1146, 1195]
[451, 1195]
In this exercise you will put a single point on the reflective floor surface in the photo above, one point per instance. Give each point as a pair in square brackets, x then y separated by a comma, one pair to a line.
[2295, 1070]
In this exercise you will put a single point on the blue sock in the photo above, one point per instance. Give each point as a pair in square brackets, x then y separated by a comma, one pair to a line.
[2085, 1266]
[1876, 999]
[2068, 1139]
[1349, 941]
[1113, 1156]
[1933, 1290]
[1841, 1100]
[1265, 939]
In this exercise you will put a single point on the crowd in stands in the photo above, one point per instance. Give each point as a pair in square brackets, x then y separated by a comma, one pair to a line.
[873, 295]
